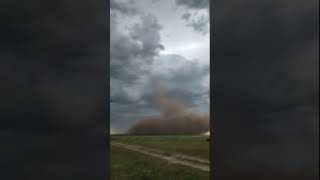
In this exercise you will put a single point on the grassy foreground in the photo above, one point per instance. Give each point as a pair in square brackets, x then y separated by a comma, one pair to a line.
[130, 165]
[196, 146]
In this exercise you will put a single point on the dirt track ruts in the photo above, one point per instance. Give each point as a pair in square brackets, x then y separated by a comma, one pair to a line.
[174, 158]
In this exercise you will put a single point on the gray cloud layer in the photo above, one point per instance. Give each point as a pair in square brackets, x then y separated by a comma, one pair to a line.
[194, 4]
[136, 63]
[193, 18]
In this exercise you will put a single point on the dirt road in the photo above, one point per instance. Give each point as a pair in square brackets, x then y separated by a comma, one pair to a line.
[173, 158]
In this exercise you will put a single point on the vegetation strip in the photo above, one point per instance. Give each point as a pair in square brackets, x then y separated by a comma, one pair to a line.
[178, 156]
[172, 158]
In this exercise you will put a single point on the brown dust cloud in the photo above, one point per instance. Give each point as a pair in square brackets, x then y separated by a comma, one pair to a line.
[175, 118]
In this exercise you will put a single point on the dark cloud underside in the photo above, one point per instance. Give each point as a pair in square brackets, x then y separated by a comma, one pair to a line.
[194, 4]
[193, 18]
[137, 62]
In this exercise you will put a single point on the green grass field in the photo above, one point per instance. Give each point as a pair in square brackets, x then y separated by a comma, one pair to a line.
[130, 165]
[196, 146]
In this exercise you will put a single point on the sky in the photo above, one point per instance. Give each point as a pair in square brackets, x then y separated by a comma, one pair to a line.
[166, 42]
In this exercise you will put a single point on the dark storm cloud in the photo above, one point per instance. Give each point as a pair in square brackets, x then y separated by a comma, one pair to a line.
[123, 7]
[53, 75]
[266, 84]
[193, 18]
[186, 80]
[131, 52]
[186, 16]
[131, 55]
[199, 24]
[136, 61]
[194, 4]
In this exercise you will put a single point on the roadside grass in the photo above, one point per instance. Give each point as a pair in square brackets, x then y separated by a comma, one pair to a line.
[130, 165]
[195, 146]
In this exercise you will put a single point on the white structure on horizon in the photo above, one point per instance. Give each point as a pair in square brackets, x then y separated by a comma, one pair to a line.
[114, 131]
[206, 133]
